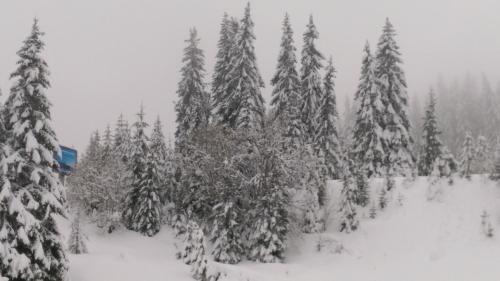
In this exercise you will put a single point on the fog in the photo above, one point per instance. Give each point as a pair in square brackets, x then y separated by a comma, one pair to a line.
[108, 56]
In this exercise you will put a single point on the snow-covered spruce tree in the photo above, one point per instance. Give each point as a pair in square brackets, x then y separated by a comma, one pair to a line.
[32, 171]
[193, 106]
[143, 206]
[445, 165]
[160, 156]
[77, 240]
[348, 217]
[7, 231]
[466, 156]
[122, 139]
[326, 139]
[482, 156]
[194, 253]
[226, 235]
[225, 48]
[244, 104]
[391, 84]
[495, 169]
[310, 80]
[362, 186]
[86, 180]
[286, 90]
[191, 243]
[431, 146]
[199, 266]
[148, 215]
[138, 163]
[114, 179]
[368, 137]
[267, 239]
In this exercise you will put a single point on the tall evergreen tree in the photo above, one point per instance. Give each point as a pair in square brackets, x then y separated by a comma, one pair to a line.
[225, 48]
[138, 166]
[368, 138]
[285, 82]
[143, 205]
[391, 83]
[193, 106]
[160, 156]
[326, 138]
[148, 210]
[348, 221]
[482, 156]
[310, 80]
[244, 104]
[286, 91]
[38, 197]
[122, 139]
[431, 147]
[467, 156]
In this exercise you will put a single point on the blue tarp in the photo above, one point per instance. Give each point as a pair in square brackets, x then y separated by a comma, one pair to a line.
[67, 160]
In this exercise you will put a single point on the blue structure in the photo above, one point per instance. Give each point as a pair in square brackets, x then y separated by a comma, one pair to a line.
[67, 160]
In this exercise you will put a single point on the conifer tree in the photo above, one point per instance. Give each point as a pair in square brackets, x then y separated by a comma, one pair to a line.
[368, 138]
[431, 146]
[286, 90]
[38, 197]
[326, 138]
[160, 156]
[362, 187]
[310, 80]
[148, 214]
[76, 242]
[199, 266]
[267, 240]
[226, 235]
[122, 139]
[191, 245]
[244, 104]
[193, 106]
[225, 48]
[8, 254]
[107, 143]
[482, 156]
[348, 220]
[495, 169]
[143, 205]
[139, 163]
[467, 156]
[391, 83]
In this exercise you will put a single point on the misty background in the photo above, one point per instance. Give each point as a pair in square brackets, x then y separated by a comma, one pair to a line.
[108, 56]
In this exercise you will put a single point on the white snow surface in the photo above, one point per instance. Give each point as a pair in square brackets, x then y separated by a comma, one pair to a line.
[420, 239]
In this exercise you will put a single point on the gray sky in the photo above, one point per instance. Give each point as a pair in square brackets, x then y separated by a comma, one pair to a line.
[106, 56]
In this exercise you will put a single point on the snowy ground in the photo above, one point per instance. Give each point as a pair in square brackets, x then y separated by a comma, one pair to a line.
[419, 240]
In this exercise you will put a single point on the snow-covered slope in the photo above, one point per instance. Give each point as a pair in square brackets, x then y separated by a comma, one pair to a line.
[424, 234]
[128, 256]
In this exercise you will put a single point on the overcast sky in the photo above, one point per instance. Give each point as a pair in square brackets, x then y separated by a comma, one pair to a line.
[106, 56]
